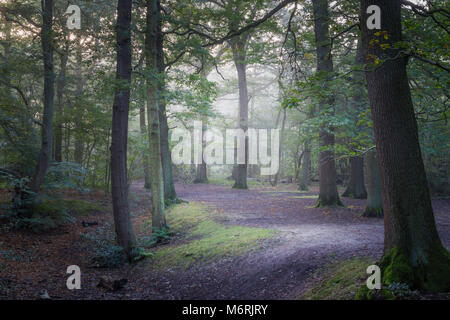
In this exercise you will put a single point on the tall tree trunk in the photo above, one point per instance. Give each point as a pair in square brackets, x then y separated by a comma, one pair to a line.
[306, 168]
[122, 221]
[170, 194]
[60, 87]
[201, 173]
[356, 188]
[283, 124]
[374, 205]
[45, 153]
[328, 194]
[145, 154]
[238, 46]
[413, 253]
[79, 134]
[169, 187]
[153, 86]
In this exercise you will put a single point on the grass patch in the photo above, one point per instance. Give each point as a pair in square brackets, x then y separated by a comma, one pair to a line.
[221, 182]
[339, 281]
[205, 238]
[304, 197]
[274, 191]
[224, 182]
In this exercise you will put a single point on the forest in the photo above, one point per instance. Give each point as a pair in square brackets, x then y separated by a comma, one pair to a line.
[224, 150]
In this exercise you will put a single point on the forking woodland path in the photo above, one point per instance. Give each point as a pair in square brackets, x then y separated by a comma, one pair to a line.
[308, 239]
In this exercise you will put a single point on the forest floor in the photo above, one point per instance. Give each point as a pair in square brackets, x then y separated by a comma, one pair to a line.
[263, 243]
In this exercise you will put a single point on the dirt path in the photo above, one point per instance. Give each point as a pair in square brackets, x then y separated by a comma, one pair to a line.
[307, 239]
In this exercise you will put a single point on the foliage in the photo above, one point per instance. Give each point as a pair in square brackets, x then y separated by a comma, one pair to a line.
[65, 175]
[46, 215]
[106, 253]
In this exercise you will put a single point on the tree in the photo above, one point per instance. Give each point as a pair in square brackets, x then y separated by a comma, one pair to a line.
[306, 167]
[60, 87]
[201, 170]
[122, 220]
[413, 252]
[374, 205]
[45, 153]
[145, 155]
[328, 195]
[170, 194]
[238, 47]
[153, 89]
[355, 188]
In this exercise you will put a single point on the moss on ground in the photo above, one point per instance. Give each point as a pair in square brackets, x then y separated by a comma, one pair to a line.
[432, 277]
[205, 239]
[339, 281]
[275, 191]
[304, 197]
[226, 182]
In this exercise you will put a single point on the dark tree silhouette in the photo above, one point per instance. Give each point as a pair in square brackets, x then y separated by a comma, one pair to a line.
[122, 221]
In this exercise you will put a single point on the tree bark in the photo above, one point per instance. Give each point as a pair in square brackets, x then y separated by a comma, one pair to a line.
[413, 253]
[122, 221]
[145, 154]
[356, 188]
[79, 134]
[238, 46]
[374, 205]
[170, 194]
[45, 153]
[153, 86]
[201, 172]
[60, 87]
[328, 194]
[306, 168]
[283, 124]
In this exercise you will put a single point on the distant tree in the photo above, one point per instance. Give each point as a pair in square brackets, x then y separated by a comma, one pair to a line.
[328, 195]
[145, 154]
[374, 205]
[356, 188]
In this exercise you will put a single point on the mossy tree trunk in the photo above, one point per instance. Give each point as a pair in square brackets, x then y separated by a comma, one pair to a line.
[328, 194]
[374, 205]
[122, 220]
[413, 252]
[153, 86]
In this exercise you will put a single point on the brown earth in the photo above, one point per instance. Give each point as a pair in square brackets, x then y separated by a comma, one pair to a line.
[282, 269]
